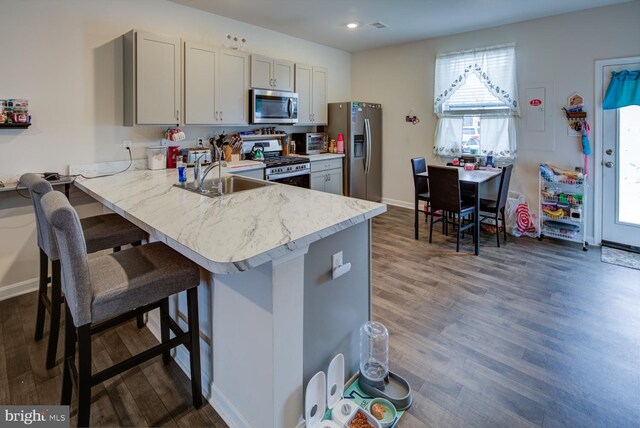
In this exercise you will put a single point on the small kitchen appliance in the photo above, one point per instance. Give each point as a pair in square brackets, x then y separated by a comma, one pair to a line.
[192, 154]
[309, 143]
[173, 152]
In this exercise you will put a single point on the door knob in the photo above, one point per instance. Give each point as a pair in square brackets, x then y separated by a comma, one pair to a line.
[609, 151]
[608, 164]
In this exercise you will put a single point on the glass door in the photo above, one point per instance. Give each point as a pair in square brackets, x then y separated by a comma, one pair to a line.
[621, 170]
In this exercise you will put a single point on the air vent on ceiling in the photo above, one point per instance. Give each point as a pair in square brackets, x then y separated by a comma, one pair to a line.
[379, 25]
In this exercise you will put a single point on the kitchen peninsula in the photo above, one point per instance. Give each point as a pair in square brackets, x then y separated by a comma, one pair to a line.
[271, 313]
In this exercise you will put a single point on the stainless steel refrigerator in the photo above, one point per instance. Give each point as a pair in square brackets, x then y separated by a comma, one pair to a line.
[361, 126]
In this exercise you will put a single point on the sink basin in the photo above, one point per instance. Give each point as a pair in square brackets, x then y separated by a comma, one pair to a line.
[230, 184]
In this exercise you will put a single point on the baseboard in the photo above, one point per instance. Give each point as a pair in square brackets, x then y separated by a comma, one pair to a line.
[18, 289]
[398, 203]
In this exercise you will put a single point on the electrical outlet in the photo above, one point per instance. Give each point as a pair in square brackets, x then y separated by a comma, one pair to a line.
[200, 141]
[126, 144]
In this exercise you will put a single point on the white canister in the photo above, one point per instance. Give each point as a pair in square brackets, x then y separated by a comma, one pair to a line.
[157, 157]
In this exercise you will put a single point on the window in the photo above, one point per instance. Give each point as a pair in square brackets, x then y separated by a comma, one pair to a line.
[476, 103]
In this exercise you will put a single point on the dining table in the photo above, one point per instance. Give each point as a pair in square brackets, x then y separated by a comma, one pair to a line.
[474, 179]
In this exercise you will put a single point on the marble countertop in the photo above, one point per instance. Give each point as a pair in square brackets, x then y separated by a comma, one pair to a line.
[231, 233]
[321, 156]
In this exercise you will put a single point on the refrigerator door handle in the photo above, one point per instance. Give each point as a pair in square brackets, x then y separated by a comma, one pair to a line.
[367, 127]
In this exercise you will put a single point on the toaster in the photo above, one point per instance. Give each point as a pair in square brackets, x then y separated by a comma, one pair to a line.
[191, 155]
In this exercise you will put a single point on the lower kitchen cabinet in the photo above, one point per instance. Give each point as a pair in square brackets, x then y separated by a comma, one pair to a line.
[326, 175]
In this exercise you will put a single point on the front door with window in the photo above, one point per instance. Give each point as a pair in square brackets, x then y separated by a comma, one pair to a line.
[621, 169]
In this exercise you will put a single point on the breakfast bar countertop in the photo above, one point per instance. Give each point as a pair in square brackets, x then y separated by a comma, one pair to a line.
[232, 233]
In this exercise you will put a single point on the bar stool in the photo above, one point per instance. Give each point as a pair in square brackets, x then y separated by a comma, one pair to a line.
[108, 290]
[101, 233]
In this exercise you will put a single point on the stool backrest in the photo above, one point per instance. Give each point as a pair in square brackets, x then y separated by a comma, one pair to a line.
[38, 187]
[505, 179]
[419, 165]
[76, 279]
[444, 186]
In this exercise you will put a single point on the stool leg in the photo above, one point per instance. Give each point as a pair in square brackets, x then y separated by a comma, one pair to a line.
[415, 217]
[56, 302]
[42, 293]
[69, 357]
[194, 347]
[140, 321]
[84, 375]
[164, 328]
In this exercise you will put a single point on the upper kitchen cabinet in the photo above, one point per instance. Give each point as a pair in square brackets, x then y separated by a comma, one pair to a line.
[152, 92]
[216, 85]
[234, 87]
[201, 84]
[269, 73]
[311, 87]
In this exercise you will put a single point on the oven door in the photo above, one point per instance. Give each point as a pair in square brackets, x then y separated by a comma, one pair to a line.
[294, 179]
[273, 106]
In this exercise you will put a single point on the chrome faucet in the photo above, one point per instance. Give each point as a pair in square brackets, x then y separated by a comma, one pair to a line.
[200, 175]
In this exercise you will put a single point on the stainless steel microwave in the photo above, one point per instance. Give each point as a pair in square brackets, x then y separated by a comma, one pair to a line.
[273, 106]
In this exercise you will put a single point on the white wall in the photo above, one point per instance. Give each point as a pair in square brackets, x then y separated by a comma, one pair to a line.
[560, 50]
[65, 56]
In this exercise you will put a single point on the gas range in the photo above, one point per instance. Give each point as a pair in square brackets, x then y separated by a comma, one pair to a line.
[293, 170]
[285, 166]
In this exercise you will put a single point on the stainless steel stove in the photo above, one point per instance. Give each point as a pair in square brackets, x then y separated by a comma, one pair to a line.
[292, 170]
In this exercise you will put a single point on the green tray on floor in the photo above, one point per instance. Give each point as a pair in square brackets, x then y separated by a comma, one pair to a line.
[359, 397]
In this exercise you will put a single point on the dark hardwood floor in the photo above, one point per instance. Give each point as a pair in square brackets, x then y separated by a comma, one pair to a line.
[529, 334]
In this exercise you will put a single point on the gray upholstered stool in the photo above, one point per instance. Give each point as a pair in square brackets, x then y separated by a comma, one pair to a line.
[105, 291]
[101, 233]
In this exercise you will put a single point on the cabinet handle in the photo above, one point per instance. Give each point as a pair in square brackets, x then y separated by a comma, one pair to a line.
[178, 115]
[275, 82]
[221, 115]
[216, 116]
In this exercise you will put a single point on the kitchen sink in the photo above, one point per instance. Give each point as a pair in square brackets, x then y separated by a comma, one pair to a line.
[230, 184]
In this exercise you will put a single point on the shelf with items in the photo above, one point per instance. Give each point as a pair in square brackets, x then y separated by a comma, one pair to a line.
[562, 204]
[14, 125]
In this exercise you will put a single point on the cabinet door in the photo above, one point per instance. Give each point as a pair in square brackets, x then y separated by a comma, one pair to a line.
[233, 103]
[283, 75]
[334, 181]
[318, 181]
[261, 72]
[303, 89]
[319, 96]
[200, 84]
[157, 79]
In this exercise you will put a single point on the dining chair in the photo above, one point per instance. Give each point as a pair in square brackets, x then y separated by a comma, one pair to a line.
[421, 189]
[102, 232]
[446, 197]
[103, 292]
[497, 207]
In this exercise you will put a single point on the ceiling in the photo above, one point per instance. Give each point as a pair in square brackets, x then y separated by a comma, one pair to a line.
[324, 21]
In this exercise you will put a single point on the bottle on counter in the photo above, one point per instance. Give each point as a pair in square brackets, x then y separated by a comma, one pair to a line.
[340, 146]
[292, 147]
[182, 170]
[332, 146]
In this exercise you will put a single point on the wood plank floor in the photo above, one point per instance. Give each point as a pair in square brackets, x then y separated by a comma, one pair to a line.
[529, 334]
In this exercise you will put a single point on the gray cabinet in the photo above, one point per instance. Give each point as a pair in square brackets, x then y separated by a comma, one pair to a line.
[152, 90]
[269, 73]
[326, 176]
[216, 85]
[311, 87]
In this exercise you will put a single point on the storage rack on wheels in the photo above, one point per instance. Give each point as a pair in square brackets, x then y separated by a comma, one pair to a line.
[571, 192]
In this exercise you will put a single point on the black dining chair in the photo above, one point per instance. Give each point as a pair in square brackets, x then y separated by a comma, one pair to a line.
[446, 197]
[421, 189]
[497, 207]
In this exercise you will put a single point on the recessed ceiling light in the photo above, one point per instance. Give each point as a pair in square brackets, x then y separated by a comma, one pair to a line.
[352, 25]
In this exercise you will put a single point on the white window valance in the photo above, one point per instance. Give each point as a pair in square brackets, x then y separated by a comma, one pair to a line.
[494, 66]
